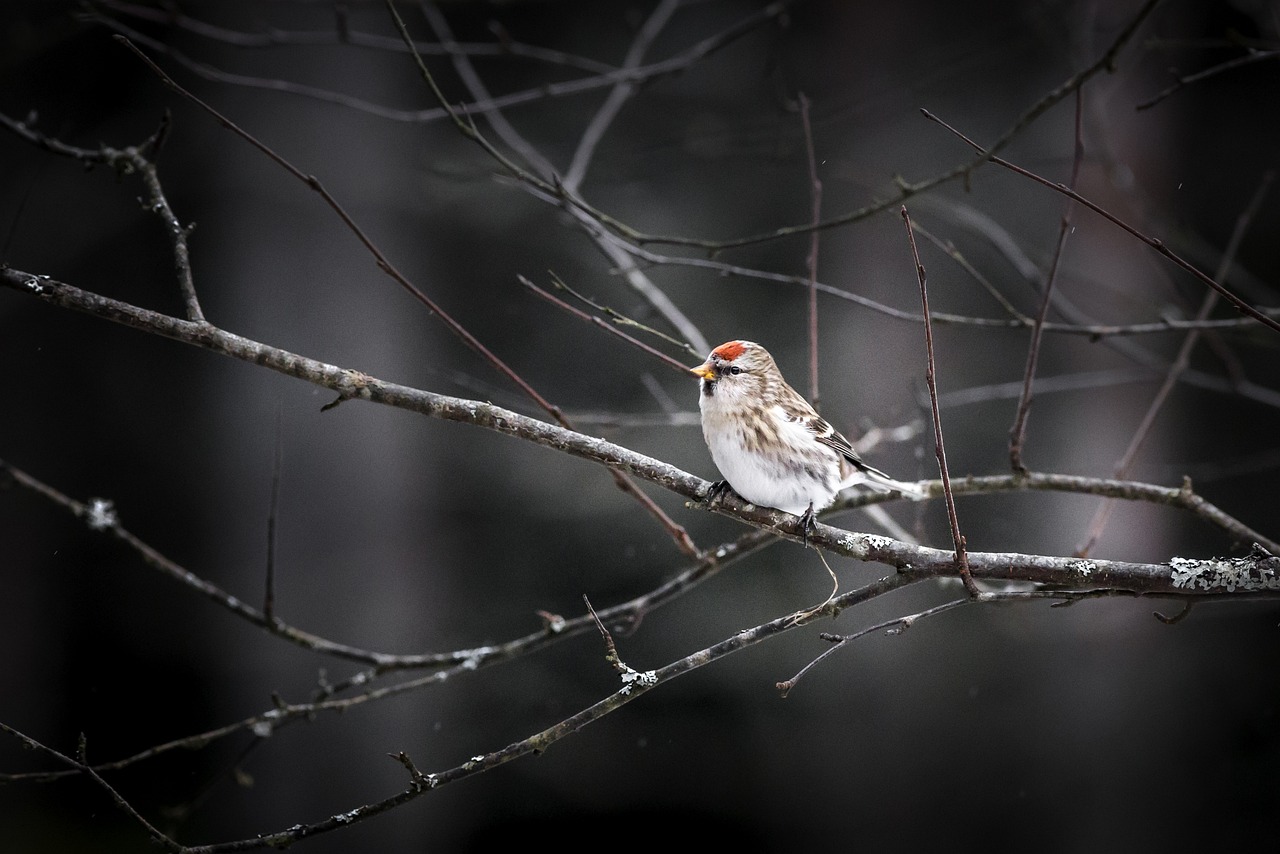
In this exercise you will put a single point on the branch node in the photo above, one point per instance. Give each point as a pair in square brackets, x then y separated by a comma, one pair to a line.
[631, 678]
[1185, 492]
[552, 624]
[418, 782]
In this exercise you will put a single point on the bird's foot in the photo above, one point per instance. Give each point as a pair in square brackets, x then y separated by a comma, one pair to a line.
[808, 522]
[718, 491]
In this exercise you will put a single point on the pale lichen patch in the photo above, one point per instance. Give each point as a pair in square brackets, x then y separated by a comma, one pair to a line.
[864, 543]
[1253, 573]
[101, 514]
[632, 677]
[1082, 567]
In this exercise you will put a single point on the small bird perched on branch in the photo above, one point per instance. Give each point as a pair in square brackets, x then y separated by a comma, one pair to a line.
[772, 447]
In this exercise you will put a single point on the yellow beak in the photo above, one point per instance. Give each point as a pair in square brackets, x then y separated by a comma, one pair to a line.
[704, 370]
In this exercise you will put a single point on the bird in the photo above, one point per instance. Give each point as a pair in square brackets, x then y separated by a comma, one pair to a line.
[771, 446]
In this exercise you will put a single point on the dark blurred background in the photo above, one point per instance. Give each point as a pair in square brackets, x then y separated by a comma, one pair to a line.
[1010, 728]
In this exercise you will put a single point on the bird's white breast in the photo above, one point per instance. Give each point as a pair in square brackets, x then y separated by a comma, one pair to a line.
[789, 474]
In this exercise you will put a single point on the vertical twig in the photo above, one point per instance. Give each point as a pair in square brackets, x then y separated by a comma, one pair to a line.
[962, 556]
[1100, 516]
[1018, 432]
[815, 185]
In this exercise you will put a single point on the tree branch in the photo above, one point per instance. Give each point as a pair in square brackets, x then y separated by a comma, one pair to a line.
[355, 385]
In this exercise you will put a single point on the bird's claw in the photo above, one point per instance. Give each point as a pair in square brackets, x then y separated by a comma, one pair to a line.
[720, 488]
[808, 523]
[716, 492]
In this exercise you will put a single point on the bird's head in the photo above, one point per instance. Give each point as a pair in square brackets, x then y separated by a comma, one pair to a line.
[736, 367]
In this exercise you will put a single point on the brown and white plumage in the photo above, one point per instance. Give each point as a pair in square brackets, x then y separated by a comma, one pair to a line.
[772, 447]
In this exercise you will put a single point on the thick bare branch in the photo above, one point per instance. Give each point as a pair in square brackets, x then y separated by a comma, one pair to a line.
[355, 385]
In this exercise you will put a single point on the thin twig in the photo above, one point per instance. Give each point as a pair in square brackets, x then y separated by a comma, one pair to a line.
[611, 651]
[961, 556]
[1178, 617]
[621, 319]
[1254, 55]
[134, 159]
[950, 250]
[899, 625]
[602, 324]
[466, 71]
[896, 626]
[1018, 432]
[631, 678]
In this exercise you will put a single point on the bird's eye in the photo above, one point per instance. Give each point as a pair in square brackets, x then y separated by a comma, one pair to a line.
[734, 369]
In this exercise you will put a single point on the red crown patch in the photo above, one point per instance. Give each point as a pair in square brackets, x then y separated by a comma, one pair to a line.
[729, 351]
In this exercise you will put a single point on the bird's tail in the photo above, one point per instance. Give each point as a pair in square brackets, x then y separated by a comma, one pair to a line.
[875, 479]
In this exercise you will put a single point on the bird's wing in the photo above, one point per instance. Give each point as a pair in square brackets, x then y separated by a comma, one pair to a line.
[796, 411]
[827, 435]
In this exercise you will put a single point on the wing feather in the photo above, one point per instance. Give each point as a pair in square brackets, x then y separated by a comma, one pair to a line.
[797, 410]
[829, 436]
